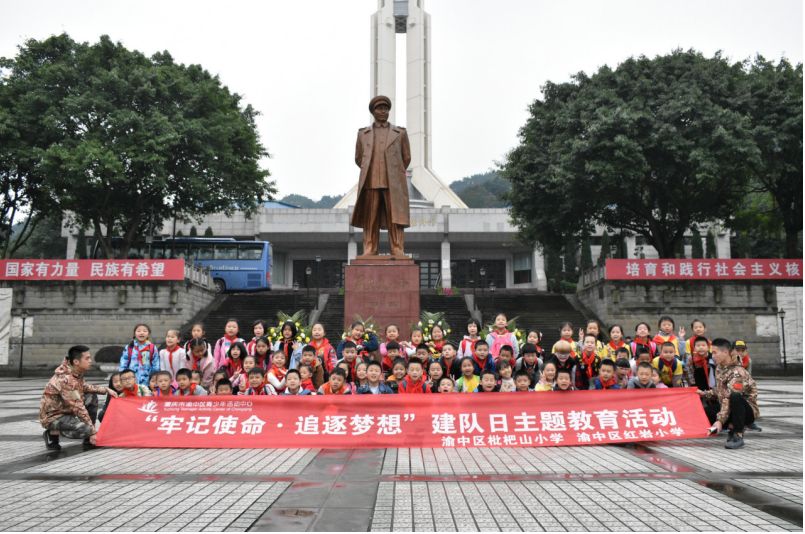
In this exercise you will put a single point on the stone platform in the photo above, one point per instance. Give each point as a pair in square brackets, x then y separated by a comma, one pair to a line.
[597, 488]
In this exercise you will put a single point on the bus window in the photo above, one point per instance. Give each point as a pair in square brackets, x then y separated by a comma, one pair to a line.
[205, 252]
[226, 252]
[179, 250]
[250, 252]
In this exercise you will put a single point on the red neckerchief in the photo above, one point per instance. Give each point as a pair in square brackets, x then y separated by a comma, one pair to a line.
[701, 361]
[616, 347]
[196, 362]
[352, 366]
[321, 346]
[481, 363]
[328, 390]
[588, 362]
[414, 386]
[260, 360]
[279, 372]
[170, 357]
[659, 339]
[231, 339]
[286, 346]
[472, 343]
[307, 384]
[609, 383]
[387, 362]
[663, 363]
[438, 346]
[192, 389]
[234, 366]
[645, 342]
[133, 392]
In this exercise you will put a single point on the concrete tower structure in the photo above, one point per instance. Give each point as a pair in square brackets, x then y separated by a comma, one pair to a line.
[407, 17]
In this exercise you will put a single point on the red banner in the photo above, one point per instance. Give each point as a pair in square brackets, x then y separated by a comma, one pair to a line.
[714, 269]
[378, 421]
[114, 270]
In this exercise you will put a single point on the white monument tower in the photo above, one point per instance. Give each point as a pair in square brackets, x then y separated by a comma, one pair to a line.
[408, 17]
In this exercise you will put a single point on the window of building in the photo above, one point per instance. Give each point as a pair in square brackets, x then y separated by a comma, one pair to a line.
[522, 268]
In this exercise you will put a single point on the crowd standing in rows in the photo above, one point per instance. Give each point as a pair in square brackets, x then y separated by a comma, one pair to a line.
[361, 364]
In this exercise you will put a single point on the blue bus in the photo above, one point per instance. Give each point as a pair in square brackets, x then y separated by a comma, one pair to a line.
[234, 265]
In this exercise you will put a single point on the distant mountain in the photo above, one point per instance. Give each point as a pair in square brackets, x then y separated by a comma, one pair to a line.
[477, 191]
[302, 201]
[482, 190]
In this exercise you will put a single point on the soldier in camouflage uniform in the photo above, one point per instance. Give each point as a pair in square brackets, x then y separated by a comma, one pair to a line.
[733, 402]
[69, 405]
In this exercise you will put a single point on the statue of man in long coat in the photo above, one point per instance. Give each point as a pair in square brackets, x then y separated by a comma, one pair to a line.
[383, 154]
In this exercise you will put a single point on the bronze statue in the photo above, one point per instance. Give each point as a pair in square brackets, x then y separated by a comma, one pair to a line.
[383, 154]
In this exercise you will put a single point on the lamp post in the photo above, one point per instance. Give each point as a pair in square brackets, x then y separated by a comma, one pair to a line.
[472, 277]
[295, 292]
[308, 272]
[482, 272]
[781, 314]
[492, 290]
[318, 277]
[24, 316]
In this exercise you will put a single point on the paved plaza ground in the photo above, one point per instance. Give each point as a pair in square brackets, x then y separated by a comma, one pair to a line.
[683, 485]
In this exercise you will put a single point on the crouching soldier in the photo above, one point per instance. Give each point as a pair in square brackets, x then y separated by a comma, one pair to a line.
[732, 404]
[69, 405]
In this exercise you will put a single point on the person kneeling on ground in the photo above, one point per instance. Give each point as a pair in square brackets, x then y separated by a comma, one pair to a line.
[69, 405]
[733, 402]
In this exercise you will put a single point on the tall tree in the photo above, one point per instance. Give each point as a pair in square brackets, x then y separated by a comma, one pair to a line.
[586, 253]
[696, 248]
[124, 140]
[645, 147]
[710, 244]
[774, 105]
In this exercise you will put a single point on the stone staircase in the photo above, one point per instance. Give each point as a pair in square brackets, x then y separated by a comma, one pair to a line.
[455, 308]
[248, 307]
[332, 317]
[543, 311]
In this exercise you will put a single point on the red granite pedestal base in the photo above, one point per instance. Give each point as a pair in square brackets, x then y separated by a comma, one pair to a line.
[385, 289]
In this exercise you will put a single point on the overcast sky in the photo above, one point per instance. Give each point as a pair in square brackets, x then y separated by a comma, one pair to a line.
[305, 64]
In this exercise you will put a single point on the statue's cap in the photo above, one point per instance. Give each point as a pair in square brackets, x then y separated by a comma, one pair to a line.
[379, 99]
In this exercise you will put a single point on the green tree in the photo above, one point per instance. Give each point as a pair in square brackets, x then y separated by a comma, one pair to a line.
[553, 269]
[774, 105]
[208, 232]
[623, 250]
[696, 249]
[45, 241]
[604, 254]
[193, 231]
[569, 254]
[121, 137]
[81, 244]
[710, 244]
[645, 147]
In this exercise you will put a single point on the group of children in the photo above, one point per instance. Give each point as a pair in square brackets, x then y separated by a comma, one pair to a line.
[361, 364]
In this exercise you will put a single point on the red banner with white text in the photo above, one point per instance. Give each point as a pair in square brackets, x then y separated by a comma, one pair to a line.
[712, 269]
[455, 420]
[104, 270]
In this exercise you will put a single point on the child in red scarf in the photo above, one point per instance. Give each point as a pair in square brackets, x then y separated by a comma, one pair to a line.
[699, 365]
[699, 330]
[257, 384]
[467, 346]
[336, 384]
[259, 330]
[500, 337]
[325, 351]
[128, 382]
[223, 344]
[414, 381]
[589, 363]
[276, 375]
[184, 378]
[668, 365]
[606, 376]
[234, 358]
[240, 381]
[262, 356]
[642, 338]
[201, 361]
[392, 353]
[615, 343]
[163, 389]
[306, 378]
[666, 335]
[437, 340]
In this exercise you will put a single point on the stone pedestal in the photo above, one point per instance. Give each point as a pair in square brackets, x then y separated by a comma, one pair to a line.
[384, 288]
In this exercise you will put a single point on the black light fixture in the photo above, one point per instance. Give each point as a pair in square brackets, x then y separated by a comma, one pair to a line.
[781, 315]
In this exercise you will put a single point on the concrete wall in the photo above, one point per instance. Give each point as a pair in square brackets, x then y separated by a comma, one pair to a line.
[97, 314]
[730, 309]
